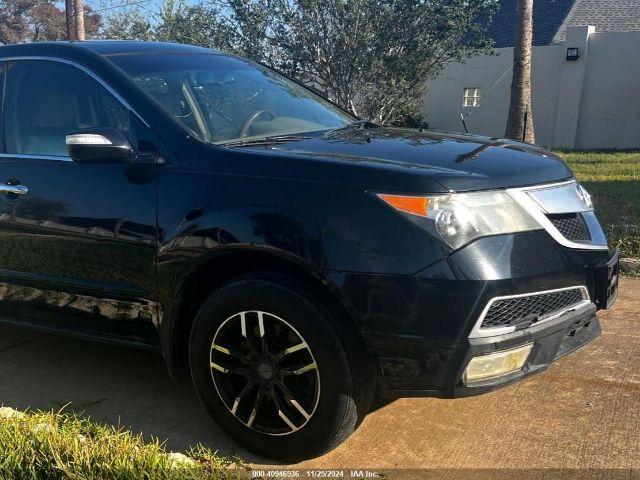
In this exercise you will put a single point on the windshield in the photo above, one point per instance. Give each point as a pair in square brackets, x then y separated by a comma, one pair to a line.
[225, 99]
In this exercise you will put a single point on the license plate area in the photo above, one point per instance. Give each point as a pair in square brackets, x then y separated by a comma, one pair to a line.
[607, 279]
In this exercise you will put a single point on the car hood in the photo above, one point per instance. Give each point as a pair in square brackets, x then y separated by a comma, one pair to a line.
[456, 161]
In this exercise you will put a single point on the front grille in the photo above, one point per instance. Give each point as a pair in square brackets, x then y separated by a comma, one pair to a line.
[572, 226]
[510, 312]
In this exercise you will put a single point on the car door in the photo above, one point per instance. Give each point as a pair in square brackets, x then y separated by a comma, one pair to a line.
[77, 241]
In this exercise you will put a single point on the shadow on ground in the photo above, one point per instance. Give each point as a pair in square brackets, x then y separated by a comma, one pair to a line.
[115, 385]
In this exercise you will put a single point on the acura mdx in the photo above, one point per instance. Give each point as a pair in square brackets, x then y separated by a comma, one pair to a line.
[294, 259]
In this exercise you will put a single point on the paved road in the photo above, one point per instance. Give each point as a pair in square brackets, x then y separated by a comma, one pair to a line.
[584, 412]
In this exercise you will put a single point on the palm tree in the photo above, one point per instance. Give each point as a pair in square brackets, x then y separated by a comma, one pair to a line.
[71, 31]
[520, 122]
[78, 11]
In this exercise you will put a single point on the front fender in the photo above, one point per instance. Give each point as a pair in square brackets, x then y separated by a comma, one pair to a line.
[318, 226]
[219, 242]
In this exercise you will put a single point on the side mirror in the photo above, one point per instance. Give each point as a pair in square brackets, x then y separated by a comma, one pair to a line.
[99, 145]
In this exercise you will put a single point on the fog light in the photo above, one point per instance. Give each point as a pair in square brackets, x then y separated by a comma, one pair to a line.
[485, 367]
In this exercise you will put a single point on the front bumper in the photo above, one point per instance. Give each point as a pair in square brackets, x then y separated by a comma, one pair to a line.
[550, 341]
[418, 327]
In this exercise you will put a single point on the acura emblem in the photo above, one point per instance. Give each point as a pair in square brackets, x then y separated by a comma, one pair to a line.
[584, 196]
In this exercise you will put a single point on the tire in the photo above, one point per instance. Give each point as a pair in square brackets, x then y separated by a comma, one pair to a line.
[332, 398]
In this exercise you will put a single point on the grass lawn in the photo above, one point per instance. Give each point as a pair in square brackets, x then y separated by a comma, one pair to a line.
[613, 180]
[53, 446]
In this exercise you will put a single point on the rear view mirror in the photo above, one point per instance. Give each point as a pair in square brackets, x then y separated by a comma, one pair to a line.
[99, 145]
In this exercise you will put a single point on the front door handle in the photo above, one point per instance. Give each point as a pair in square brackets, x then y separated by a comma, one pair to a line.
[15, 189]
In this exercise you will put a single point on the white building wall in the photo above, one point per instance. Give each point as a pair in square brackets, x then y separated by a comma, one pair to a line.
[610, 113]
[589, 103]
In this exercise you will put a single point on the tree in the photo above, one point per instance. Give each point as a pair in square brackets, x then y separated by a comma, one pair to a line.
[520, 121]
[46, 22]
[13, 20]
[78, 16]
[93, 22]
[71, 30]
[372, 57]
[129, 26]
[38, 20]
[197, 24]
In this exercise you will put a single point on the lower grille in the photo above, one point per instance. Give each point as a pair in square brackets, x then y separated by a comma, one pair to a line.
[516, 311]
[572, 226]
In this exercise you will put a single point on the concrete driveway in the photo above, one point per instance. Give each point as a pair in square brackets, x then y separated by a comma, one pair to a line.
[583, 413]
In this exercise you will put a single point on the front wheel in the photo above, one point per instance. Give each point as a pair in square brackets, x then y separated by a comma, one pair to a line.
[277, 371]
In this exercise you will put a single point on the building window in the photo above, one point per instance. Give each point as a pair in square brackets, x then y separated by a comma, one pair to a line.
[472, 97]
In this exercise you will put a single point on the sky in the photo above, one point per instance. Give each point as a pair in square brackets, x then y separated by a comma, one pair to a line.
[108, 7]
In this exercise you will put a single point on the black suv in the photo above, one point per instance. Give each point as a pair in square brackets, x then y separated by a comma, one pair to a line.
[293, 258]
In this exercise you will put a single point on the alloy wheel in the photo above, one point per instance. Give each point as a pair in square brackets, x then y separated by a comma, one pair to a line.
[265, 372]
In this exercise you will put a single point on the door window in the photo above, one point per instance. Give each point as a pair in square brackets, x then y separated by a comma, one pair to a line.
[46, 100]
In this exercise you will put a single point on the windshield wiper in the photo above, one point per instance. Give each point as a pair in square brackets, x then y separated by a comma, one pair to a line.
[274, 140]
[358, 125]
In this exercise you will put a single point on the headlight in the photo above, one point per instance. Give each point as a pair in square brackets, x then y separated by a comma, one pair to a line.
[459, 218]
